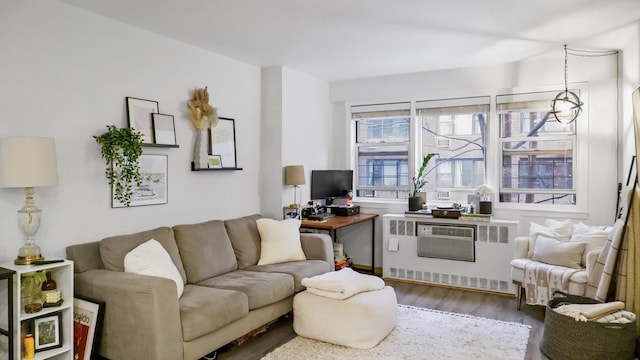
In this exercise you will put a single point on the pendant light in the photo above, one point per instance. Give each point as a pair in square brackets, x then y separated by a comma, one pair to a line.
[566, 107]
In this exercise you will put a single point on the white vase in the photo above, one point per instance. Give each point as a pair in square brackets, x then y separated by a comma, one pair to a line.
[200, 154]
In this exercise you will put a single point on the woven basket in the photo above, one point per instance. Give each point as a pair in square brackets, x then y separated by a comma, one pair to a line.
[564, 338]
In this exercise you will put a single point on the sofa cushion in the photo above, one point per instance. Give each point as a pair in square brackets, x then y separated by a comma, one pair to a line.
[280, 241]
[261, 288]
[205, 249]
[562, 253]
[245, 239]
[593, 236]
[298, 269]
[559, 230]
[205, 309]
[114, 249]
[150, 258]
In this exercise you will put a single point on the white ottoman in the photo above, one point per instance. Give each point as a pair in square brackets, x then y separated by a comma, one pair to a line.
[360, 321]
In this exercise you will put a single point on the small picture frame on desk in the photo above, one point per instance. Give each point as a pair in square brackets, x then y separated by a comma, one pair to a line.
[290, 213]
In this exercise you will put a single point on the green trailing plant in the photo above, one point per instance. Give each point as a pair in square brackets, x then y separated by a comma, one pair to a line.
[121, 149]
[419, 180]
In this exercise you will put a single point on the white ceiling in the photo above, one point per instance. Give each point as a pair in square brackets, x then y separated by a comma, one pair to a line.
[346, 39]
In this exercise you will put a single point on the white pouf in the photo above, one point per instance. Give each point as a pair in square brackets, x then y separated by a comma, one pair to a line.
[360, 322]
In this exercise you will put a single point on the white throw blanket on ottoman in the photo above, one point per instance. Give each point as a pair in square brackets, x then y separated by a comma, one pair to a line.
[342, 284]
[345, 308]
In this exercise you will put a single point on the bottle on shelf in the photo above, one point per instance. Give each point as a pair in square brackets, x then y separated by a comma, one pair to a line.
[50, 294]
[29, 347]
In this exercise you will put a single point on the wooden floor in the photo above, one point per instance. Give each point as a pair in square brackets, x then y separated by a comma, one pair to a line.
[445, 299]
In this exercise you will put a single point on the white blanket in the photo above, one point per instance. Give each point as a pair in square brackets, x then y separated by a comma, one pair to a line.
[541, 280]
[342, 284]
[611, 312]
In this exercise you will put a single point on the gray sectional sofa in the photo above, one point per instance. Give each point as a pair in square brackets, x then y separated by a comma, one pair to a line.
[226, 294]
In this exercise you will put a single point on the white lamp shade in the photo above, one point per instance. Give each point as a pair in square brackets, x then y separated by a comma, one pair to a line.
[28, 162]
[294, 175]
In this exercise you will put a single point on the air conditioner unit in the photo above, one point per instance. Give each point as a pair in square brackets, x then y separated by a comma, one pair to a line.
[443, 194]
[452, 242]
[443, 143]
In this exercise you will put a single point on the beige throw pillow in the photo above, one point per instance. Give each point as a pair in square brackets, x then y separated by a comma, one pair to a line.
[554, 252]
[279, 241]
[593, 236]
[559, 230]
[150, 258]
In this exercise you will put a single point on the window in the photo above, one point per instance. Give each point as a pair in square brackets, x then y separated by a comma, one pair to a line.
[457, 130]
[382, 150]
[537, 152]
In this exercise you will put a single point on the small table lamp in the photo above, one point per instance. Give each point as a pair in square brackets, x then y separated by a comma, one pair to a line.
[28, 162]
[294, 175]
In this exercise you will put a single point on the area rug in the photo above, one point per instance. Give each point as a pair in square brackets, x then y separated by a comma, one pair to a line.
[424, 334]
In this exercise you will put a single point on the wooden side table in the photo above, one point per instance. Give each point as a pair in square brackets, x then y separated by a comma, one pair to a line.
[7, 274]
[333, 224]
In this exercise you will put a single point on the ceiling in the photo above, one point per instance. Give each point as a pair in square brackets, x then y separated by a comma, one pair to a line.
[346, 39]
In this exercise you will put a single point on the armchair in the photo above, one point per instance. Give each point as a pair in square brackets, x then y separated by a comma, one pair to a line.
[558, 257]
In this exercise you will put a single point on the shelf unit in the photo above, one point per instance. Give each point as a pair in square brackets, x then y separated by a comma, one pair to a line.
[62, 273]
[6, 322]
[160, 145]
[193, 168]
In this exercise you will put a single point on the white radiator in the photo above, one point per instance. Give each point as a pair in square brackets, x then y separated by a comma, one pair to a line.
[462, 253]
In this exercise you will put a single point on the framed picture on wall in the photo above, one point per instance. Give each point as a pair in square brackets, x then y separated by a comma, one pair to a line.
[154, 172]
[222, 141]
[140, 119]
[164, 129]
[88, 315]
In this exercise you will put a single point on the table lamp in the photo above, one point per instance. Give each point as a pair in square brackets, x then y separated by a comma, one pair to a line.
[28, 162]
[294, 176]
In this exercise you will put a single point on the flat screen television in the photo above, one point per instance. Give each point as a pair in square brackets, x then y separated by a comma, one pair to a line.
[331, 184]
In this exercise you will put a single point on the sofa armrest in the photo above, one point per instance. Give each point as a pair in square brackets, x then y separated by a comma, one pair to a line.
[142, 314]
[521, 247]
[318, 247]
[592, 257]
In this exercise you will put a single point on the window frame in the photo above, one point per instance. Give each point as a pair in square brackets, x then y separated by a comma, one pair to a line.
[493, 152]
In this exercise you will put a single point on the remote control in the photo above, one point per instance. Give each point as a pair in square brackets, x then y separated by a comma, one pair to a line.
[45, 262]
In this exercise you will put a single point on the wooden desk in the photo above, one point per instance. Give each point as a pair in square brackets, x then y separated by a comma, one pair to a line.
[337, 222]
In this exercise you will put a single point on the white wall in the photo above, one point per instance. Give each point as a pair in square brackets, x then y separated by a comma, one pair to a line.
[603, 168]
[297, 128]
[65, 73]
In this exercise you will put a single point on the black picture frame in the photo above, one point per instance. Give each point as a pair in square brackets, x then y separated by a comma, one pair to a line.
[88, 316]
[47, 331]
[139, 114]
[164, 129]
[222, 141]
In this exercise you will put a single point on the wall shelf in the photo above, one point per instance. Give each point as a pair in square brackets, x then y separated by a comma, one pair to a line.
[215, 169]
[160, 145]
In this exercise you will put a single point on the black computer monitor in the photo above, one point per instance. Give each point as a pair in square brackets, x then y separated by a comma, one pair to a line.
[331, 184]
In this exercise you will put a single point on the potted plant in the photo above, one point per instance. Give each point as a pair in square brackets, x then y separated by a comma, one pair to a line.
[419, 181]
[121, 149]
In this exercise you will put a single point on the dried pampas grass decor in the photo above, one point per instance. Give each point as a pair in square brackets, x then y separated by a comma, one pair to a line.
[203, 115]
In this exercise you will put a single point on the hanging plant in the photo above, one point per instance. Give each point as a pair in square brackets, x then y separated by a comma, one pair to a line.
[121, 149]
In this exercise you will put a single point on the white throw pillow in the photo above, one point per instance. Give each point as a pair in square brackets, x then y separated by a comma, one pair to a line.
[559, 230]
[150, 258]
[554, 252]
[279, 241]
[593, 236]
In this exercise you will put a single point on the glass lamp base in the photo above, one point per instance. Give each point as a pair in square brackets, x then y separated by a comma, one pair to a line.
[27, 254]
